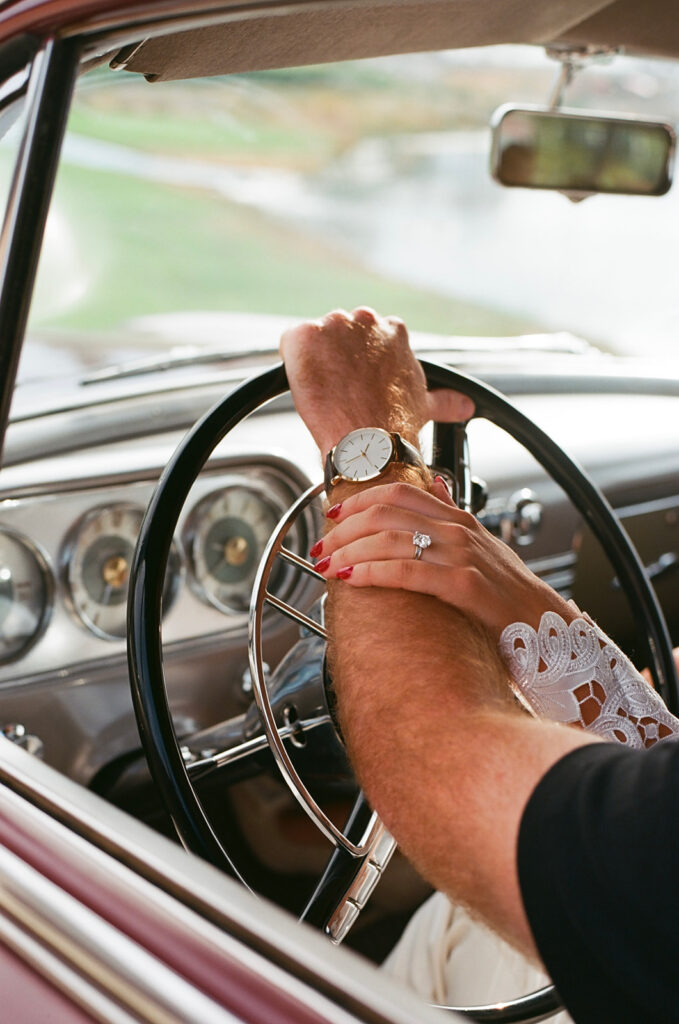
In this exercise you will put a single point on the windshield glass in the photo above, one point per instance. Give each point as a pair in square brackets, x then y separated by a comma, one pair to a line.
[288, 193]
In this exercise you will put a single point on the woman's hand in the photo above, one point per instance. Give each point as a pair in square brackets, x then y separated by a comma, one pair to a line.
[371, 545]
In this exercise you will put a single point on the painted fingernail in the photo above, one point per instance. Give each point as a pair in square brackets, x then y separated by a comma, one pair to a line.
[333, 512]
[441, 480]
[315, 551]
[323, 564]
[344, 574]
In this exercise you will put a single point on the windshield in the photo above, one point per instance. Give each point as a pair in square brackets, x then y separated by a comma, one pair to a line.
[182, 210]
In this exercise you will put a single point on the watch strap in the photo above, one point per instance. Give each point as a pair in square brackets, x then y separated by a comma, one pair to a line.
[407, 453]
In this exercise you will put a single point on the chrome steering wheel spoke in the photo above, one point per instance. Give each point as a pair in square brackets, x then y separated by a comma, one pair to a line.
[201, 767]
[261, 596]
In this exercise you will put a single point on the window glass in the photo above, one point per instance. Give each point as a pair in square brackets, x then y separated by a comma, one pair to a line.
[12, 122]
[184, 212]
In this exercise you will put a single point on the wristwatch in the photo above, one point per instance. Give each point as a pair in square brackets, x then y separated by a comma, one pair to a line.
[365, 454]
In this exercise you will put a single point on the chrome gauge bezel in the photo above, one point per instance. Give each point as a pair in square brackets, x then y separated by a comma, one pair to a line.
[71, 563]
[51, 516]
[47, 603]
[202, 581]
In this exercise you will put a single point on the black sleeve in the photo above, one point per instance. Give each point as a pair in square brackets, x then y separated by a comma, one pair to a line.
[598, 861]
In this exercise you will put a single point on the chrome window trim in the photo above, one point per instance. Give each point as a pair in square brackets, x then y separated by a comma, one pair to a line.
[88, 959]
[340, 986]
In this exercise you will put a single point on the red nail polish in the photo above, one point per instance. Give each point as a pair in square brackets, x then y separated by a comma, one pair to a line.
[442, 480]
[323, 564]
[344, 574]
[315, 551]
[333, 512]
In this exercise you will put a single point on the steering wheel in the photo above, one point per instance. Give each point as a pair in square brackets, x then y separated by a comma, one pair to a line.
[364, 847]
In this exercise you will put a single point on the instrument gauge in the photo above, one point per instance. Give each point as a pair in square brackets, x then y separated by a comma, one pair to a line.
[25, 595]
[226, 536]
[98, 560]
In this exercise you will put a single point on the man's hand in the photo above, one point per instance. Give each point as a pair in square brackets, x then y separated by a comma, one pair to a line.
[357, 369]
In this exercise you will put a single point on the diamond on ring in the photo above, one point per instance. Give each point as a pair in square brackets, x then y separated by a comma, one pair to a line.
[421, 541]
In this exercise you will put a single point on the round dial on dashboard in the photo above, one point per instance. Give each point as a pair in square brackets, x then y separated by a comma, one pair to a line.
[98, 561]
[25, 595]
[226, 536]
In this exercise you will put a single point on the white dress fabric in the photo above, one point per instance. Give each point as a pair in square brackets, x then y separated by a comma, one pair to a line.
[575, 674]
[450, 959]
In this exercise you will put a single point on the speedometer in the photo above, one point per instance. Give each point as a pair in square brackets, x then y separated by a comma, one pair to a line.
[97, 564]
[25, 593]
[226, 536]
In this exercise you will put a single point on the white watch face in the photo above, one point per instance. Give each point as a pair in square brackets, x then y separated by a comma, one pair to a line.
[363, 454]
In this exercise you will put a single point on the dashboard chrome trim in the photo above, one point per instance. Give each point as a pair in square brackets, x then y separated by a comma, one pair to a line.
[67, 647]
[71, 560]
[48, 579]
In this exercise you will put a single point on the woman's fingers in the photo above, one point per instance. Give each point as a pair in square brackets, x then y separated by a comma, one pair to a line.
[400, 495]
[395, 545]
[417, 577]
[379, 519]
[372, 545]
[447, 529]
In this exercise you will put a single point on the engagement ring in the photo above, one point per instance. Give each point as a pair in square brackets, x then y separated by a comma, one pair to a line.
[421, 541]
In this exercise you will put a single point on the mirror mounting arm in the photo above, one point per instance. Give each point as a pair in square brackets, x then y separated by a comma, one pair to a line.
[572, 60]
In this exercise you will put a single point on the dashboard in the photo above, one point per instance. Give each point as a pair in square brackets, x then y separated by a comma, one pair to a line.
[66, 559]
[69, 522]
[68, 527]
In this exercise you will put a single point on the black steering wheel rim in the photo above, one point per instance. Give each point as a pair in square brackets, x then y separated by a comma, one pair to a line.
[148, 570]
[594, 509]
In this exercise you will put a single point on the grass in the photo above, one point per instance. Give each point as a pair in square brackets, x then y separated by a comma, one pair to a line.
[218, 137]
[154, 248]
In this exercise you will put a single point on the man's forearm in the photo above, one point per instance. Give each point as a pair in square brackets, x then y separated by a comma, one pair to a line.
[409, 674]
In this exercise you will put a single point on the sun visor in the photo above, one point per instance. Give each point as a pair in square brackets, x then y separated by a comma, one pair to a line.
[318, 33]
[651, 29]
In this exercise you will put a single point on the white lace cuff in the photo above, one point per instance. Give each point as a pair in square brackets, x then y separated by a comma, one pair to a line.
[575, 674]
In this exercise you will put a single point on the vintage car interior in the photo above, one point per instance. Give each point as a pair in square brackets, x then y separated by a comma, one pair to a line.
[183, 181]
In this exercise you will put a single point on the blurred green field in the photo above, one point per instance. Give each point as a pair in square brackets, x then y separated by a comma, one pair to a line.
[301, 117]
[120, 246]
[150, 248]
[215, 137]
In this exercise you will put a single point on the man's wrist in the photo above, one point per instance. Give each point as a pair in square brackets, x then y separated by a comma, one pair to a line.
[397, 472]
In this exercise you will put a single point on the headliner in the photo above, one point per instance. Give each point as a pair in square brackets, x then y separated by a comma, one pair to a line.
[287, 34]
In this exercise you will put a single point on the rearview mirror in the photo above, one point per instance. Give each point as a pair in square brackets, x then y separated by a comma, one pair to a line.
[580, 153]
